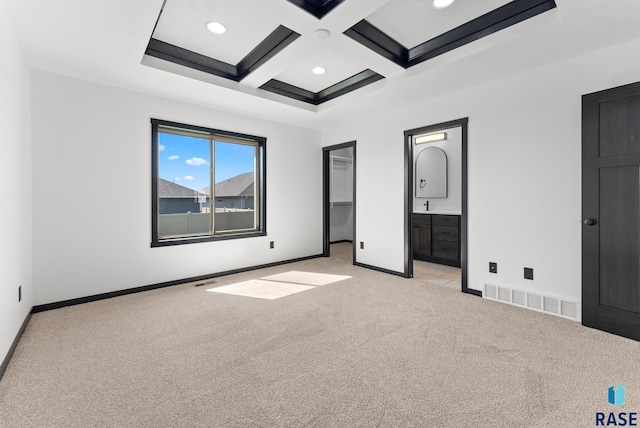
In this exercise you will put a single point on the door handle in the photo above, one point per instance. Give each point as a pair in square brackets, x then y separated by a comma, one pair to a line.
[591, 222]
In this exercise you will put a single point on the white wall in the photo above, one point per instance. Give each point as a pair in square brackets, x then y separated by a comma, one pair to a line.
[524, 180]
[452, 146]
[92, 156]
[15, 187]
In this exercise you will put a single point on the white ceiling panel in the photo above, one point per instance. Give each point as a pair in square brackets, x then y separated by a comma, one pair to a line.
[183, 23]
[411, 22]
[338, 67]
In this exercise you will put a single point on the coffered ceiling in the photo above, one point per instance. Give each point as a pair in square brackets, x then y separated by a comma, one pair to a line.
[402, 33]
[380, 54]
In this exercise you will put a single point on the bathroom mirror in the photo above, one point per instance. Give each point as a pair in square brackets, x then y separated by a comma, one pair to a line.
[431, 173]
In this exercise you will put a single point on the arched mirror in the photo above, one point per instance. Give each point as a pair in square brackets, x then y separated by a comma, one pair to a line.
[431, 173]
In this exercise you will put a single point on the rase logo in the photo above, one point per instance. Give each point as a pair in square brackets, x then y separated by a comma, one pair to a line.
[616, 397]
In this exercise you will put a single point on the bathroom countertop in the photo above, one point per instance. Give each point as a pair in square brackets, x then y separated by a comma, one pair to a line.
[439, 212]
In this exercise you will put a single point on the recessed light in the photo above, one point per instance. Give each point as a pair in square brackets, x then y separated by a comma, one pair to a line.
[442, 4]
[216, 27]
[319, 70]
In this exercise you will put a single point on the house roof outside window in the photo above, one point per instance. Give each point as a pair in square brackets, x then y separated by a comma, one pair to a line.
[240, 185]
[167, 189]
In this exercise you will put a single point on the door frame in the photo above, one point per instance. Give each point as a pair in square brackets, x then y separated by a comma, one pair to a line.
[408, 197]
[326, 202]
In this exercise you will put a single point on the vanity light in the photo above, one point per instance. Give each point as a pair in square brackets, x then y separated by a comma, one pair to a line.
[442, 4]
[319, 70]
[216, 27]
[430, 138]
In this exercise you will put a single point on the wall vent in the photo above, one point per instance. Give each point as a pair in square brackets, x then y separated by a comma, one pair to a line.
[547, 304]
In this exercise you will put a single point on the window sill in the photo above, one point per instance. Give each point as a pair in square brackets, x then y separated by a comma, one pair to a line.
[199, 239]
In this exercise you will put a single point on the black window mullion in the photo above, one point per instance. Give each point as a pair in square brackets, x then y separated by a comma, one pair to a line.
[212, 185]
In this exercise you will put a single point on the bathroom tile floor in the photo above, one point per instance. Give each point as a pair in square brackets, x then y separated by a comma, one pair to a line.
[432, 273]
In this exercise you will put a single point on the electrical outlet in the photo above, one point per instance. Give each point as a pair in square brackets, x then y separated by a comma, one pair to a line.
[19, 293]
[528, 273]
[361, 245]
[271, 245]
[493, 267]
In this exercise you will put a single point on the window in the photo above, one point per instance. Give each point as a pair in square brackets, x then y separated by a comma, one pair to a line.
[193, 166]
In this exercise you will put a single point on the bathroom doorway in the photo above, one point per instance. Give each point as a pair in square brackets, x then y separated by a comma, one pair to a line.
[339, 198]
[436, 223]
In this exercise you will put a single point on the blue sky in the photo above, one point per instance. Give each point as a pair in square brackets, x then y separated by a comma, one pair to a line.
[186, 160]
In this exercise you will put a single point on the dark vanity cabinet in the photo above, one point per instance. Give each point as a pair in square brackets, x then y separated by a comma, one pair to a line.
[421, 236]
[436, 238]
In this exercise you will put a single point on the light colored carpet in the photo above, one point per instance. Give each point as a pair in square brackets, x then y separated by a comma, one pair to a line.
[279, 285]
[260, 289]
[375, 351]
[307, 278]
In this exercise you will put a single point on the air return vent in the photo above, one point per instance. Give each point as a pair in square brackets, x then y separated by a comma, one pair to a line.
[548, 304]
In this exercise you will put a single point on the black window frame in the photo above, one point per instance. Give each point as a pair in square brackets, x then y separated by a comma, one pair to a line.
[261, 188]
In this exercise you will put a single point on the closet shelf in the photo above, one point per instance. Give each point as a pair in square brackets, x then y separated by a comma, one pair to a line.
[341, 181]
[340, 162]
[341, 203]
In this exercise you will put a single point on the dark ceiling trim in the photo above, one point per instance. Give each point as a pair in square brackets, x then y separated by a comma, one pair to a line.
[489, 23]
[498, 19]
[279, 39]
[318, 8]
[376, 40]
[357, 81]
[177, 55]
[351, 84]
[282, 88]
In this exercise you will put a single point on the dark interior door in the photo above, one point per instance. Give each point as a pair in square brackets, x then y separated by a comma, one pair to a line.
[611, 210]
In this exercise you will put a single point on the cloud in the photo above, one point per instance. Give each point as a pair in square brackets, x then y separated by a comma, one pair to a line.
[176, 179]
[160, 147]
[188, 177]
[196, 161]
[173, 157]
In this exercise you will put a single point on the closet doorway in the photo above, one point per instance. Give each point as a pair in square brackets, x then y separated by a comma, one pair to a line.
[339, 197]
